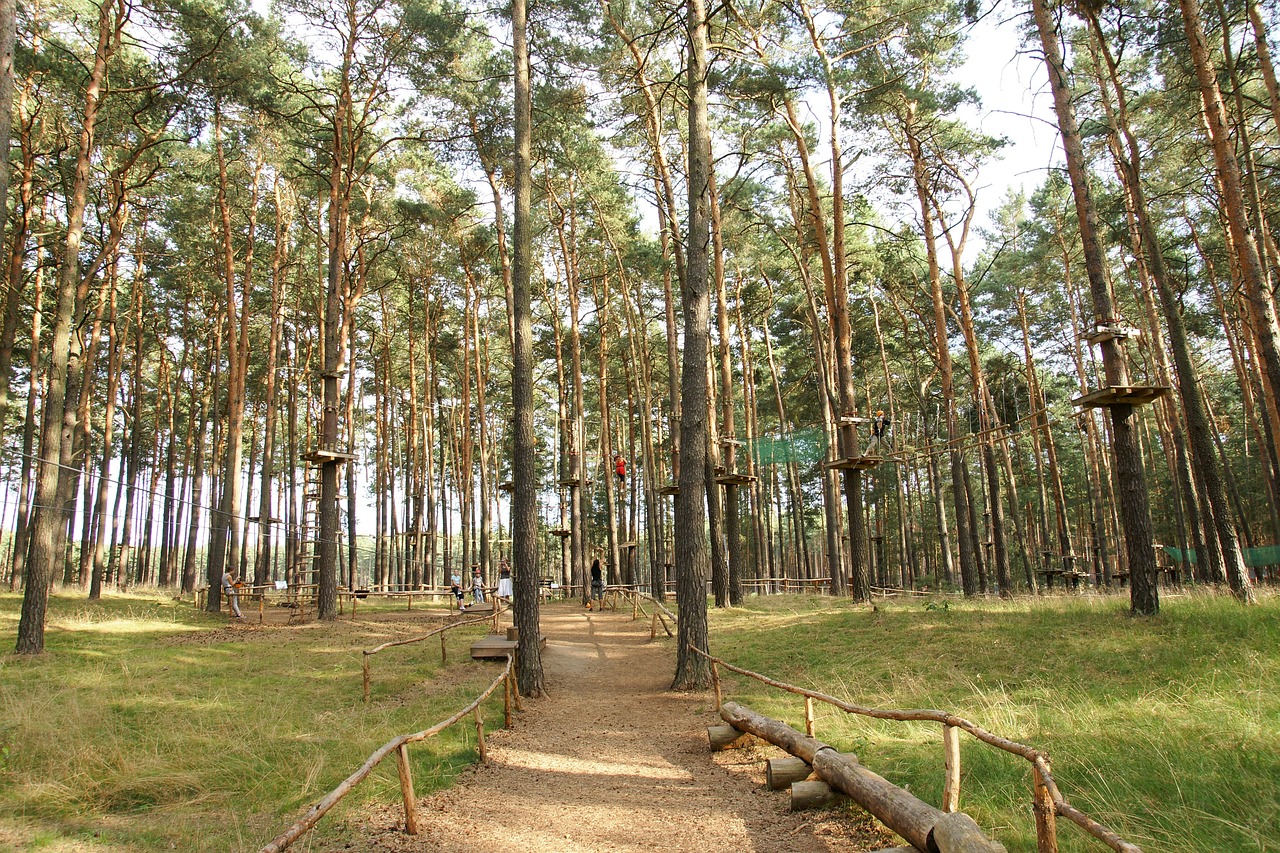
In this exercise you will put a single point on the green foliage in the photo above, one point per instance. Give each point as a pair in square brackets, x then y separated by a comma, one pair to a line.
[154, 727]
[1163, 729]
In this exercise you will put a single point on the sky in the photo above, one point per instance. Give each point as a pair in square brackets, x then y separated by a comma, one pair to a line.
[1016, 104]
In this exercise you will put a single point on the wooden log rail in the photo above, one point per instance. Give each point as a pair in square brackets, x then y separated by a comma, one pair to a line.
[924, 826]
[441, 631]
[408, 594]
[399, 745]
[1048, 802]
[635, 596]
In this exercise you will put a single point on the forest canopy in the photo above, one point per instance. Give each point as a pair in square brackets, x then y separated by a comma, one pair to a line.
[246, 245]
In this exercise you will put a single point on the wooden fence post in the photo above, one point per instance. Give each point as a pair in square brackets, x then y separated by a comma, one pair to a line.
[515, 681]
[480, 744]
[406, 790]
[1042, 805]
[951, 768]
[506, 701]
[653, 624]
[715, 680]
[366, 676]
[443, 658]
[808, 715]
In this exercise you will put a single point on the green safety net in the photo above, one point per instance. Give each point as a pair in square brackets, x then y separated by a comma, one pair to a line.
[804, 446]
[1267, 555]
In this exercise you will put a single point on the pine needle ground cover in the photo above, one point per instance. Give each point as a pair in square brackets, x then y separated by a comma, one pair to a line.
[148, 725]
[1166, 729]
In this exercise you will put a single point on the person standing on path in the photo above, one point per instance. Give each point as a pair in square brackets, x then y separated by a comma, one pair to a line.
[597, 584]
[229, 589]
[504, 579]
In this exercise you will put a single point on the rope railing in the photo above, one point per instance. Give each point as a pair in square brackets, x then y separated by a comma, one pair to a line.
[441, 631]
[1048, 800]
[399, 745]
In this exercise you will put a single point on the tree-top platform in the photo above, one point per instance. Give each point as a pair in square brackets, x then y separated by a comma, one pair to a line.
[1120, 395]
[856, 463]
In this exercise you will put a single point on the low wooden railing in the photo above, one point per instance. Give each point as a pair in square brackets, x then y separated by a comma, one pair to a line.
[1047, 800]
[399, 745]
[441, 632]
[635, 597]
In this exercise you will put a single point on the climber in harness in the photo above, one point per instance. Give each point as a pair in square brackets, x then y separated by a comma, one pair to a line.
[620, 467]
[880, 425]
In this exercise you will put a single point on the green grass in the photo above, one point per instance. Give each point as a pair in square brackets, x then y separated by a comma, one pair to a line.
[145, 727]
[1165, 729]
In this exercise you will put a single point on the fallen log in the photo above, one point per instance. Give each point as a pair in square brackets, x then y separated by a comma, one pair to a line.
[912, 818]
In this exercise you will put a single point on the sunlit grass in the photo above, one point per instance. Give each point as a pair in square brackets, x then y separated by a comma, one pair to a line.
[150, 726]
[1167, 729]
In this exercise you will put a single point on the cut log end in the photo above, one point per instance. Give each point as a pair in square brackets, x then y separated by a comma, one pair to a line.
[727, 737]
[813, 795]
[780, 773]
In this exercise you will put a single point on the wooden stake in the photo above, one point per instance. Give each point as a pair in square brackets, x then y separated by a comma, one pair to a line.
[406, 790]
[480, 744]
[1046, 821]
[951, 766]
[515, 681]
[715, 680]
[808, 715]
[653, 625]
[366, 674]
[443, 659]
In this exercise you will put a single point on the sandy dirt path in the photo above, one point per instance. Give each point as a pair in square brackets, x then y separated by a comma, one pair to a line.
[611, 760]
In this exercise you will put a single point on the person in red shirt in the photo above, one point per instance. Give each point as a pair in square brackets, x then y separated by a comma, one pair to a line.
[620, 466]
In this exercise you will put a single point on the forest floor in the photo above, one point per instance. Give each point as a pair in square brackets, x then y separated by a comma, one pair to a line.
[611, 760]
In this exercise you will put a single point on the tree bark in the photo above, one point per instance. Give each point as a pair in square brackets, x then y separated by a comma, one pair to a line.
[692, 670]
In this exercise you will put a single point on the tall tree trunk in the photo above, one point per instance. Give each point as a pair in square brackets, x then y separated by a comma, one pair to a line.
[44, 553]
[693, 672]
[1135, 512]
[524, 508]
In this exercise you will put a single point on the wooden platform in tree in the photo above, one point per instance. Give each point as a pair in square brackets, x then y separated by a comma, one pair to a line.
[561, 532]
[571, 481]
[1121, 395]
[497, 646]
[857, 463]
[321, 454]
[507, 486]
[670, 489]
[1110, 333]
[735, 479]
